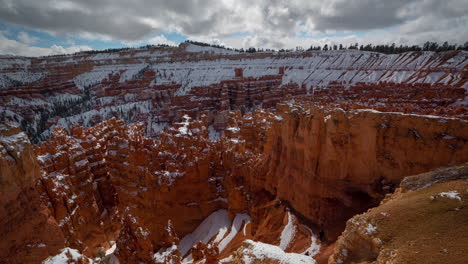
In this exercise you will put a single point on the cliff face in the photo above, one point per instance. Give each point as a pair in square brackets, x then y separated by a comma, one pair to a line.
[28, 230]
[158, 86]
[289, 178]
[424, 221]
[235, 157]
[340, 163]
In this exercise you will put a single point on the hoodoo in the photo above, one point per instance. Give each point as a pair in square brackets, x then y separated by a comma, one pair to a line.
[201, 154]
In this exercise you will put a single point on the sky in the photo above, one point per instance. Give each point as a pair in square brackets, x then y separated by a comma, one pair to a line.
[46, 27]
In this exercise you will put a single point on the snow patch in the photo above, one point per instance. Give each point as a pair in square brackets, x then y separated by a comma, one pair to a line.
[451, 195]
[205, 231]
[62, 258]
[259, 251]
[287, 235]
[236, 226]
[370, 229]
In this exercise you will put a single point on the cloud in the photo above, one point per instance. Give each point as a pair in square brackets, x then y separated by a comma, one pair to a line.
[156, 40]
[267, 23]
[26, 38]
[13, 47]
[161, 40]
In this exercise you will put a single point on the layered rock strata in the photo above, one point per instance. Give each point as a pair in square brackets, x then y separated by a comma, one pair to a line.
[158, 85]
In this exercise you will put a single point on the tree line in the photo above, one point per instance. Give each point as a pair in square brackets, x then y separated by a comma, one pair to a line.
[386, 48]
[393, 48]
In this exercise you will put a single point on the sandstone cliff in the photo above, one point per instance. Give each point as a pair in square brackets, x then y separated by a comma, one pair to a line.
[289, 178]
[424, 221]
[29, 232]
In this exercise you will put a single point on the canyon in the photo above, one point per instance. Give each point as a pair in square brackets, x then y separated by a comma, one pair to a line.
[196, 154]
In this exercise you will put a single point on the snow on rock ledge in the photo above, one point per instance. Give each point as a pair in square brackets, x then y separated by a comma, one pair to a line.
[253, 251]
[68, 256]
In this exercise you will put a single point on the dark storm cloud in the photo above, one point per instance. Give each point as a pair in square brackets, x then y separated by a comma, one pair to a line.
[262, 19]
[118, 19]
[360, 15]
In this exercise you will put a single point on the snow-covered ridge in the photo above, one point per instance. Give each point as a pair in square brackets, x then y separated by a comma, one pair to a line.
[136, 84]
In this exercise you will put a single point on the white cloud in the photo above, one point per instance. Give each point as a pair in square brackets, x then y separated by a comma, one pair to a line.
[26, 38]
[161, 40]
[266, 23]
[13, 47]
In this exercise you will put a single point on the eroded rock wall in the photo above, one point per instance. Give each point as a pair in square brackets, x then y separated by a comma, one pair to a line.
[29, 231]
[302, 168]
[158, 86]
[332, 164]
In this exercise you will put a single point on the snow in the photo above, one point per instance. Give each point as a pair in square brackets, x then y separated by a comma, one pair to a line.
[314, 248]
[93, 77]
[8, 79]
[226, 260]
[213, 135]
[239, 220]
[207, 49]
[448, 137]
[67, 218]
[462, 101]
[111, 249]
[261, 251]
[168, 177]
[183, 130]
[81, 163]
[14, 143]
[162, 255]
[220, 235]
[215, 222]
[245, 226]
[132, 71]
[287, 235]
[233, 129]
[370, 229]
[451, 195]
[62, 258]
[440, 119]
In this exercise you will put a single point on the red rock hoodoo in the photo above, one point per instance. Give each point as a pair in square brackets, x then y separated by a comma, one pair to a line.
[204, 155]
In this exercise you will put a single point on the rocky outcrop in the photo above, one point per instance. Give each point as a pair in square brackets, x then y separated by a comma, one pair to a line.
[424, 221]
[28, 230]
[77, 189]
[290, 178]
[341, 163]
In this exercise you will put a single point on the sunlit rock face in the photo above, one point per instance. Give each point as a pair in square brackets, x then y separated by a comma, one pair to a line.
[290, 178]
[192, 154]
[341, 162]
